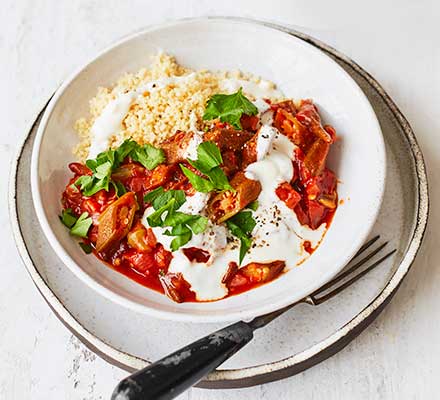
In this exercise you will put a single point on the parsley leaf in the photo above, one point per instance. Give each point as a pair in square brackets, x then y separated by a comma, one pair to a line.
[68, 218]
[89, 186]
[253, 206]
[180, 241]
[104, 170]
[77, 226]
[150, 196]
[229, 108]
[178, 218]
[101, 158]
[208, 163]
[219, 179]
[158, 197]
[241, 225]
[208, 156]
[87, 248]
[82, 225]
[124, 150]
[200, 184]
[166, 204]
[119, 188]
[149, 156]
[198, 225]
[155, 219]
[178, 230]
[101, 167]
[177, 195]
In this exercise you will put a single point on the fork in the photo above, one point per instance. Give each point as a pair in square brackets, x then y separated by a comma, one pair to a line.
[167, 378]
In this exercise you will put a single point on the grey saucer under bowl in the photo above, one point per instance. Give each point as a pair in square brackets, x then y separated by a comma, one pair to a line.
[296, 341]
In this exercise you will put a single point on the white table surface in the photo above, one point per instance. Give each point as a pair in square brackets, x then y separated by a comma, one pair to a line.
[397, 357]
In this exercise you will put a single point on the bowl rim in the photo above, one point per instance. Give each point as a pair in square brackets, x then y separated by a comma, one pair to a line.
[188, 316]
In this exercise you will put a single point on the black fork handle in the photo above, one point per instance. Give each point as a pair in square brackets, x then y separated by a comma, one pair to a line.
[167, 378]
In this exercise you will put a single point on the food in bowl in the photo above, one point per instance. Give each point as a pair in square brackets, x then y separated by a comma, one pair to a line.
[200, 185]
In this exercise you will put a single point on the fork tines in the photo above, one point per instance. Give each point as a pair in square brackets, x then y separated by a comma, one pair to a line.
[337, 284]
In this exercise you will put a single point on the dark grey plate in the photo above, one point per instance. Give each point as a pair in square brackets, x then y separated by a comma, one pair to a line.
[295, 342]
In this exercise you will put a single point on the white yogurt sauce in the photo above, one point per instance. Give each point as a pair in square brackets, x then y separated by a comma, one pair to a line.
[266, 136]
[278, 234]
[262, 89]
[109, 123]
[261, 105]
[191, 150]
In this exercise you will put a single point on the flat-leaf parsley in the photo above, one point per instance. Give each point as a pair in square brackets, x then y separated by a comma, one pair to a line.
[229, 108]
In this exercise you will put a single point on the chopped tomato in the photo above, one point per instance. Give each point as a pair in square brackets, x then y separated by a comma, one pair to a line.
[94, 205]
[287, 105]
[288, 194]
[162, 257]
[142, 261]
[288, 124]
[141, 238]
[79, 169]
[196, 255]
[308, 116]
[175, 287]
[238, 280]
[323, 184]
[249, 122]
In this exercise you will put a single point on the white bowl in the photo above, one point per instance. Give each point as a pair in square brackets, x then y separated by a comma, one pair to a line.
[301, 71]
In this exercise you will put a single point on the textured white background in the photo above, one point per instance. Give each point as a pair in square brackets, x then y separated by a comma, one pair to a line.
[398, 357]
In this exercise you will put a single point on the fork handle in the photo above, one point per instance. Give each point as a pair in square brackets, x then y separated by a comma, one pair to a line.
[167, 378]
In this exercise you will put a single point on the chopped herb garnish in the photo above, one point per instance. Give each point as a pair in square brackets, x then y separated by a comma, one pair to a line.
[78, 226]
[200, 184]
[198, 225]
[159, 197]
[119, 188]
[150, 196]
[124, 150]
[180, 240]
[89, 185]
[68, 218]
[104, 170]
[253, 206]
[229, 108]
[183, 226]
[87, 248]
[155, 219]
[82, 225]
[108, 161]
[208, 157]
[149, 156]
[241, 226]
[219, 179]
[208, 163]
